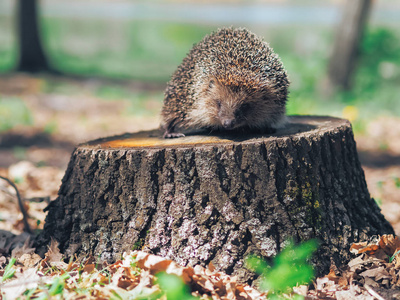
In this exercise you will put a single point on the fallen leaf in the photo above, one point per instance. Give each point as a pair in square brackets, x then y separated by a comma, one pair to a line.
[18, 251]
[372, 273]
[301, 290]
[3, 261]
[29, 260]
[359, 248]
[53, 258]
[369, 281]
[89, 268]
[389, 243]
[53, 254]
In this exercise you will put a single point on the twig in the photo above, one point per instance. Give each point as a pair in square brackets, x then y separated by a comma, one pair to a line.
[373, 293]
[25, 215]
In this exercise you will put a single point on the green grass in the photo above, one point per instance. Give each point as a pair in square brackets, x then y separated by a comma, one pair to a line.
[145, 50]
[140, 101]
[9, 270]
[8, 53]
[13, 112]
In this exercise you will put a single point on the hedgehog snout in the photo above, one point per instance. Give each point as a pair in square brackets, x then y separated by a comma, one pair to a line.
[228, 123]
[227, 118]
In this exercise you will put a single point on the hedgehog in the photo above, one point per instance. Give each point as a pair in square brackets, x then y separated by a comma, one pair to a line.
[231, 80]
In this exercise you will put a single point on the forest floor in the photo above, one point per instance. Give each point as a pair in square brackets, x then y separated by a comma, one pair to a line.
[35, 154]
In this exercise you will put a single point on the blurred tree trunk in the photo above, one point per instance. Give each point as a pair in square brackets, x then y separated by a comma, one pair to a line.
[346, 47]
[31, 55]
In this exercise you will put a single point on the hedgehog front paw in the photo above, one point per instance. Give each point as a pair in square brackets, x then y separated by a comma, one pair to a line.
[172, 135]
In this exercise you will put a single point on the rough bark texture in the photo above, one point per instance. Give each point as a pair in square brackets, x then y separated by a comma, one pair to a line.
[217, 198]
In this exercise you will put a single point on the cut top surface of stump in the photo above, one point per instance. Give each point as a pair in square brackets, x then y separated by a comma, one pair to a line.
[297, 126]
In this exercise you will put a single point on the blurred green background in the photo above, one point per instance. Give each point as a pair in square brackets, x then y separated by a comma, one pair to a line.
[146, 41]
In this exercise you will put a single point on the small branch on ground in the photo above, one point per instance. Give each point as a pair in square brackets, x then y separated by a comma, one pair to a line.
[27, 228]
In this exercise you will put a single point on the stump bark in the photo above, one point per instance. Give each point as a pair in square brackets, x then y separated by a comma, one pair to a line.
[205, 198]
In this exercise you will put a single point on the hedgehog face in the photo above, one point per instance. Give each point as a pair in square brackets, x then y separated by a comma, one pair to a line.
[227, 105]
[231, 106]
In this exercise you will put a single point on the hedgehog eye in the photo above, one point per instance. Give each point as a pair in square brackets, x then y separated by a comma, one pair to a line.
[218, 102]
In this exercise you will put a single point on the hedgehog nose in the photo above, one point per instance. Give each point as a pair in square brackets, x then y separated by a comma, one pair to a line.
[228, 123]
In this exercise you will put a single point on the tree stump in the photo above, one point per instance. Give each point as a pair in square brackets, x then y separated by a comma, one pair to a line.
[205, 198]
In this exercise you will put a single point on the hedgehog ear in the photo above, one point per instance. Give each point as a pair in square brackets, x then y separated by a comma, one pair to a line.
[211, 83]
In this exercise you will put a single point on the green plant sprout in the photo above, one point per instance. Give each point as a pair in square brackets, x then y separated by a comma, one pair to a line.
[9, 271]
[396, 182]
[174, 287]
[289, 268]
[53, 289]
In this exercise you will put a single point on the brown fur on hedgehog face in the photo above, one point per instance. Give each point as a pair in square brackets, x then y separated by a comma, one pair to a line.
[231, 105]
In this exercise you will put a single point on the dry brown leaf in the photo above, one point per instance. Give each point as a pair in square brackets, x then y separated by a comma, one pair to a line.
[301, 290]
[373, 273]
[186, 273]
[358, 248]
[326, 285]
[3, 263]
[369, 281]
[23, 280]
[142, 258]
[353, 293]
[53, 257]
[384, 247]
[89, 268]
[100, 278]
[122, 278]
[90, 260]
[211, 266]
[113, 268]
[53, 254]
[389, 243]
[383, 275]
[72, 266]
[29, 260]
[222, 288]
[355, 247]
[127, 283]
[381, 254]
[158, 266]
[357, 263]
[9, 241]
[396, 261]
[229, 290]
[204, 282]
[343, 282]
[332, 276]
[18, 251]
[370, 268]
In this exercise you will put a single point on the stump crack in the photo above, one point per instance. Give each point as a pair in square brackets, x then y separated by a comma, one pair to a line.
[340, 208]
[279, 182]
